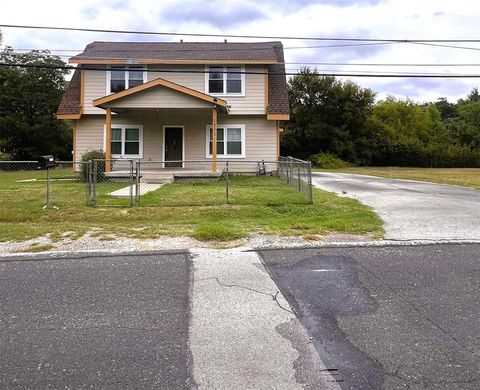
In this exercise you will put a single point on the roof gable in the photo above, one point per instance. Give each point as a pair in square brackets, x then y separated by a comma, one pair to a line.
[148, 87]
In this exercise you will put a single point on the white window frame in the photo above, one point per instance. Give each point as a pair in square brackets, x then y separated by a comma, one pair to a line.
[123, 127]
[127, 67]
[225, 93]
[225, 156]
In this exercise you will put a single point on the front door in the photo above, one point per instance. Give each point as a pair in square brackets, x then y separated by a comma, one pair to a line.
[173, 146]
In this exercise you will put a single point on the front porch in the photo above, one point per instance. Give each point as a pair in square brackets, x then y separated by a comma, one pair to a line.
[159, 97]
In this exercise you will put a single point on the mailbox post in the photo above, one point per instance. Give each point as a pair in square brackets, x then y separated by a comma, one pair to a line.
[47, 162]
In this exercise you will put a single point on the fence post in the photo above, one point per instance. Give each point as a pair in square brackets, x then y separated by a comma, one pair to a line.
[226, 185]
[88, 177]
[47, 204]
[289, 178]
[130, 184]
[299, 179]
[94, 183]
[309, 180]
[137, 183]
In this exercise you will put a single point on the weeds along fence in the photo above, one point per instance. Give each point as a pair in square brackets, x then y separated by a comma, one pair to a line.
[128, 183]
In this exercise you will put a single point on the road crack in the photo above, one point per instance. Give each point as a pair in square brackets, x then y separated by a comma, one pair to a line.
[273, 296]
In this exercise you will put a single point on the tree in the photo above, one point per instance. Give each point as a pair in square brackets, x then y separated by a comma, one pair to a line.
[474, 95]
[327, 115]
[447, 110]
[29, 98]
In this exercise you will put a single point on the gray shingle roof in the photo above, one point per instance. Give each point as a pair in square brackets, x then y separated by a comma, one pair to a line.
[70, 103]
[180, 51]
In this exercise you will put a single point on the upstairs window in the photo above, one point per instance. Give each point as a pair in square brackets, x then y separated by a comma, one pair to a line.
[225, 80]
[123, 77]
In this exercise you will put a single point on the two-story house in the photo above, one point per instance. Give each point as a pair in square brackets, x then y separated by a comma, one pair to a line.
[177, 101]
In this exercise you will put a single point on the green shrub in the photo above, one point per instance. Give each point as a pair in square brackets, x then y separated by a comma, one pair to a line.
[90, 155]
[217, 232]
[328, 161]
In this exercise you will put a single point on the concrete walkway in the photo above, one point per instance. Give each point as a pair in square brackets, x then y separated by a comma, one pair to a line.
[412, 210]
[126, 191]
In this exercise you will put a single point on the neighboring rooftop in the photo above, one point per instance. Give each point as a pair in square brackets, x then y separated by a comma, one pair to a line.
[179, 52]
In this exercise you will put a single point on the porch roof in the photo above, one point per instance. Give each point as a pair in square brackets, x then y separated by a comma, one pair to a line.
[111, 100]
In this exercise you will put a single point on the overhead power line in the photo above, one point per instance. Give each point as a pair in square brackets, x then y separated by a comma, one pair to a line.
[382, 64]
[177, 49]
[374, 64]
[305, 38]
[371, 75]
[445, 46]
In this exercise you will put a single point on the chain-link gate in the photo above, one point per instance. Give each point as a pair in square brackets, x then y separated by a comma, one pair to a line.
[111, 183]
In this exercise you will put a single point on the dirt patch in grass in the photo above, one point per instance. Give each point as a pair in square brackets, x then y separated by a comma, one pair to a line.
[34, 248]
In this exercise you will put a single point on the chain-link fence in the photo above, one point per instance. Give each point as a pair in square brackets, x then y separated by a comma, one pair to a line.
[127, 183]
[23, 185]
[298, 175]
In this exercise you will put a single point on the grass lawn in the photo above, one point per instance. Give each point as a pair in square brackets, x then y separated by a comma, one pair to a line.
[468, 177]
[258, 204]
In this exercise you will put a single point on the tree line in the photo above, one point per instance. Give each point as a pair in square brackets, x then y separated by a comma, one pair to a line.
[29, 98]
[329, 117]
[341, 119]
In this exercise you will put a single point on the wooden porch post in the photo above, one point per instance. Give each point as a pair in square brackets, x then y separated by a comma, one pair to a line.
[108, 139]
[214, 139]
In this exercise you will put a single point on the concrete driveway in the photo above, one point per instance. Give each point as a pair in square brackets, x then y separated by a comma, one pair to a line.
[412, 210]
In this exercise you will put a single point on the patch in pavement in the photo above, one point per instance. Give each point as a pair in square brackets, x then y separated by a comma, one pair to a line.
[108, 321]
[423, 329]
[314, 285]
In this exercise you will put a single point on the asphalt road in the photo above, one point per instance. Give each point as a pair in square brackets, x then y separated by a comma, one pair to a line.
[388, 317]
[412, 210]
[95, 322]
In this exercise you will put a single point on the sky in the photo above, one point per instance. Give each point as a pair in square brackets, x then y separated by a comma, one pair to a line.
[383, 19]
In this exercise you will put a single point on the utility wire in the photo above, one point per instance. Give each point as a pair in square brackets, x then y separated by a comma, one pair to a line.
[376, 75]
[392, 64]
[177, 49]
[445, 46]
[305, 38]
[298, 69]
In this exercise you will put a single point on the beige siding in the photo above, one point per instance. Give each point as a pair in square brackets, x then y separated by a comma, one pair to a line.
[260, 134]
[95, 87]
[254, 100]
[253, 103]
[160, 97]
[194, 80]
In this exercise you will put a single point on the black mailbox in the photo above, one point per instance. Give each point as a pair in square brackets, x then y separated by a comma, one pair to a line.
[46, 162]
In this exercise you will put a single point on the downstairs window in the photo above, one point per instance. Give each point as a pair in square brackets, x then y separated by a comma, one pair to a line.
[230, 141]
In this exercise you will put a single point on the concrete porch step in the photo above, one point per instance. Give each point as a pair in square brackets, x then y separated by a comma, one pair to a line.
[157, 177]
